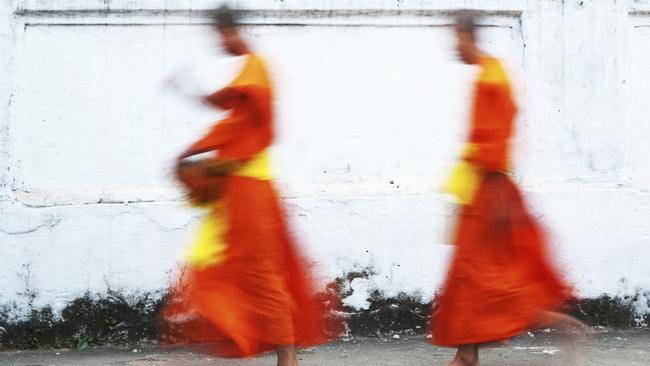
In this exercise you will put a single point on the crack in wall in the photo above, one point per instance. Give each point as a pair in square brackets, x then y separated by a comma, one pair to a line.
[50, 222]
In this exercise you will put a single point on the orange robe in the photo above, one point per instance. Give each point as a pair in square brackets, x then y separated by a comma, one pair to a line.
[500, 279]
[258, 292]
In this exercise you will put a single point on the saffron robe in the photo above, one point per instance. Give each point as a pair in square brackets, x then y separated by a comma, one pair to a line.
[247, 287]
[500, 279]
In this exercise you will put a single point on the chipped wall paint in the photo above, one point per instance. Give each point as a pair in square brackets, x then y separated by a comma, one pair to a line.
[371, 110]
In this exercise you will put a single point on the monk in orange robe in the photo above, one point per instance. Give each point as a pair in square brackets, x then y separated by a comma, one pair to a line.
[247, 288]
[501, 282]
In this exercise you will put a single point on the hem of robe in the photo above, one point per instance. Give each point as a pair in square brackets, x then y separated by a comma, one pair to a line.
[497, 337]
[548, 290]
[236, 287]
[227, 349]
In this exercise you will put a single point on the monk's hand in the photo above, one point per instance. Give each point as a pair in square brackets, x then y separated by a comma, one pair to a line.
[206, 100]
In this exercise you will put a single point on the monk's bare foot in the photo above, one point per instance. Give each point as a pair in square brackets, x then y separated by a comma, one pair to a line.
[287, 356]
[293, 362]
[467, 355]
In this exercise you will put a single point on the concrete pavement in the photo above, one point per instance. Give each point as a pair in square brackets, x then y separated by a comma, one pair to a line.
[605, 347]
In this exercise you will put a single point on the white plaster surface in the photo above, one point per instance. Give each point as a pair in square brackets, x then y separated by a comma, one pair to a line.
[371, 109]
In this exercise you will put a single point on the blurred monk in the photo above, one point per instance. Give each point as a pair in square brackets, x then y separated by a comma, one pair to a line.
[247, 288]
[500, 282]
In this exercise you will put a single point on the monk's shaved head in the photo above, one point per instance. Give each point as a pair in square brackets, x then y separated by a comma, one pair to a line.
[465, 22]
[226, 22]
[225, 17]
[466, 29]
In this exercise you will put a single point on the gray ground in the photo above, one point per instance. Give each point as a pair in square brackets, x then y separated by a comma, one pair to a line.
[606, 347]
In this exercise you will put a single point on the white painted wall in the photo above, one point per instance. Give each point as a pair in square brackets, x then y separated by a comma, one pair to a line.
[371, 110]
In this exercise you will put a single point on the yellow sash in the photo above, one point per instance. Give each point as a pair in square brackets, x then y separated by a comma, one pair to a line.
[258, 167]
[210, 243]
[464, 179]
